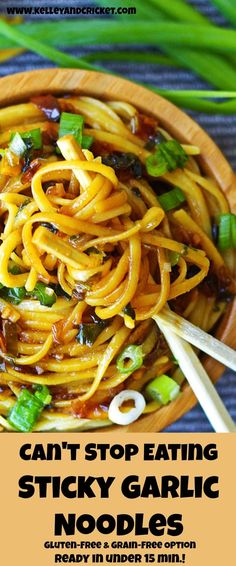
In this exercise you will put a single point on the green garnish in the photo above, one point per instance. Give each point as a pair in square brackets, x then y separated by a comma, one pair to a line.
[87, 141]
[42, 394]
[169, 155]
[28, 408]
[227, 231]
[13, 295]
[71, 124]
[130, 359]
[89, 332]
[17, 145]
[163, 389]
[173, 258]
[172, 199]
[45, 295]
[228, 8]
[33, 137]
[21, 142]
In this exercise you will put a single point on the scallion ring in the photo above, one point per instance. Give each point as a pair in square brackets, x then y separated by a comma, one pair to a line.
[163, 389]
[116, 416]
[130, 359]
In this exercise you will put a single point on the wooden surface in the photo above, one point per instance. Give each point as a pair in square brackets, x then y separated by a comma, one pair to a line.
[20, 87]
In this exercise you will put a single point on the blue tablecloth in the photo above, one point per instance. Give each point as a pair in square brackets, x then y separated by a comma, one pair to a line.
[221, 128]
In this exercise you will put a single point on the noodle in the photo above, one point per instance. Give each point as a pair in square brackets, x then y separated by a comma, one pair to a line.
[89, 254]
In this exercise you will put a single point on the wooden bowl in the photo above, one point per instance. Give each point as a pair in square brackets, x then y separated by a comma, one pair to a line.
[20, 87]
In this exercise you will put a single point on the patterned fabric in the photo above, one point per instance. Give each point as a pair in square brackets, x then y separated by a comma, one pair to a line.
[221, 128]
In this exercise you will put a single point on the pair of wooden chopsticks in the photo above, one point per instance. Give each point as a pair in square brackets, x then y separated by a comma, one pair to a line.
[179, 334]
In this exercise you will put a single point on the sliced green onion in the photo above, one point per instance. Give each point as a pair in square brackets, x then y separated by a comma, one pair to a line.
[71, 124]
[171, 199]
[228, 8]
[227, 231]
[42, 394]
[233, 230]
[130, 359]
[117, 416]
[89, 332]
[87, 141]
[34, 137]
[45, 295]
[17, 145]
[13, 295]
[169, 155]
[14, 268]
[163, 389]
[27, 409]
[25, 412]
[173, 257]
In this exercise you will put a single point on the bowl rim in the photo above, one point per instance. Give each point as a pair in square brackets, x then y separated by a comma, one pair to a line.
[22, 86]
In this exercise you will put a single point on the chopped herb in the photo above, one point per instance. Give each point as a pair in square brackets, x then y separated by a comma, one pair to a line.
[89, 332]
[42, 393]
[45, 295]
[28, 408]
[14, 268]
[171, 199]
[22, 142]
[163, 389]
[227, 231]
[17, 145]
[87, 141]
[33, 137]
[169, 155]
[71, 124]
[13, 295]
[173, 257]
[130, 359]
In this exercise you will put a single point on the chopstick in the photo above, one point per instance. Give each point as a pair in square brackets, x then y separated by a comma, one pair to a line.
[197, 337]
[198, 379]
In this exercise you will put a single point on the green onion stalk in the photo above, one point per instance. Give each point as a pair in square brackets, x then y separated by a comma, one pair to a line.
[210, 68]
[228, 8]
[63, 59]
